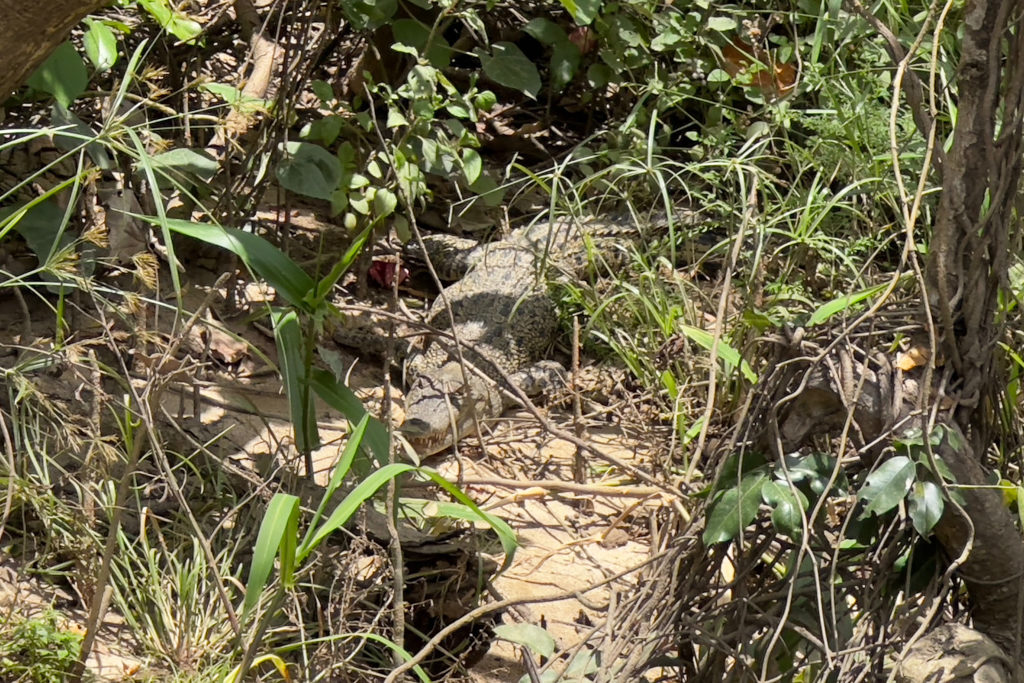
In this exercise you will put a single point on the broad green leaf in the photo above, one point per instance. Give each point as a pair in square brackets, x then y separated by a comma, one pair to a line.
[485, 101]
[583, 664]
[736, 508]
[786, 505]
[565, 59]
[338, 396]
[42, 227]
[815, 469]
[530, 635]
[717, 76]
[171, 20]
[843, 303]
[730, 356]
[384, 202]
[722, 24]
[583, 11]
[277, 535]
[472, 165]
[194, 162]
[323, 91]
[236, 99]
[325, 130]
[291, 353]
[505, 534]
[926, 506]
[62, 75]
[72, 132]
[351, 503]
[546, 31]
[368, 14]
[416, 34]
[100, 45]
[263, 258]
[508, 66]
[309, 170]
[888, 485]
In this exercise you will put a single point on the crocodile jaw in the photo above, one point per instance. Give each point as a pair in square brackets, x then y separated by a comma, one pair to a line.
[440, 400]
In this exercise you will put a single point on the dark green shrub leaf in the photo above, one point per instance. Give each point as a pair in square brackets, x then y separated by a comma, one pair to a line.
[926, 506]
[309, 170]
[787, 504]
[368, 14]
[508, 66]
[546, 31]
[564, 61]
[734, 509]
[888, 485]
[62, 75]
[582, 11]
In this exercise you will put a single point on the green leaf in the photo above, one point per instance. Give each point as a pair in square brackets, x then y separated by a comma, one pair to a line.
[277, 535]
[584, 663]
[530, 635]
[583, 11]
[416, 34]
[326, 285]
[730, 356]
[100, 45]
[368, 14]
[718, 76]
[338, 474]
[485, 101]
[340, 397]
[926, 506]
[505, 534]
[843, 303]
[384, 202]
[787, 505]
[546, 31]
[171, 20]
[236, 99]
[291, 353]
[722, 24]
[472, 164]
[888, 485]
[734, 509]
[42, 226]
[815, 469]
[182, 162]
[351, 503]
[508, 66]
[263, 258]
[323, 91]
[309, 170]
[62, 75]
[565, 59]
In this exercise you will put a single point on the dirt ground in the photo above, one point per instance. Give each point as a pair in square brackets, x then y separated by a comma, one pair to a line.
[577, 540]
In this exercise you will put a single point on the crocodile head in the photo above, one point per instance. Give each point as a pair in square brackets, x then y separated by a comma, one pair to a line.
[440, 406]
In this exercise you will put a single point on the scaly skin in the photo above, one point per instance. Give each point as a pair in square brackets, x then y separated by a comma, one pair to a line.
[503, 315]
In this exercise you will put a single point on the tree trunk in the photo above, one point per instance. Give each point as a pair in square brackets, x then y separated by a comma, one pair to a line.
[29, 30]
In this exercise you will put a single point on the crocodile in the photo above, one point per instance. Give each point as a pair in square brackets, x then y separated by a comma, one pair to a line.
[502, 317]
